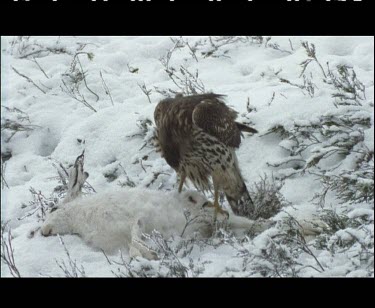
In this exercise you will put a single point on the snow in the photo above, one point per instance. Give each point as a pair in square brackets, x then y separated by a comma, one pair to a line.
[115, 150]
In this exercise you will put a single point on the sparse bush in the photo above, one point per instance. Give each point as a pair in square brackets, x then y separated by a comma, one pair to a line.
[167, 254]
[7, 251]
[348, 89]
[331, 134]
[349, 236]
[146, 130]
[311, 53]
[70, 269]
[340, 134]
[74, 77]
[217, 46]
[350, 186]
[275, 260]
[280, 255]
[40, 205]
[14, 122]
[267, 197]
[276, 46]
[128, 182]
[168, 265]
[23, 47]
[28, 79]
[307, 84]
[188, 82]
[131, 268]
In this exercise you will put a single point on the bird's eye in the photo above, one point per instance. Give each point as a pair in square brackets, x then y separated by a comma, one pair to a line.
[192, 200]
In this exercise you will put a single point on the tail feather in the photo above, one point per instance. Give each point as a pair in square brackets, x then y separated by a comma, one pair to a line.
[237, 194]
[242, 204]
[245, 128]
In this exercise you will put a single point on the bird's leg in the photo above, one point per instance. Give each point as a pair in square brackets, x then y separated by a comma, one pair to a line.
[216, 204]
[182, 180]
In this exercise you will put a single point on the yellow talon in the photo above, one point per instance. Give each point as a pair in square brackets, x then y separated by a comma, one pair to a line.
[217, 207]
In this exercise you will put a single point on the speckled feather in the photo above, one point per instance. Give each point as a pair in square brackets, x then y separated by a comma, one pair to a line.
[197, 136]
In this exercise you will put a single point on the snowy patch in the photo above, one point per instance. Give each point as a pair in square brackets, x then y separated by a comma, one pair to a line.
[63, 95]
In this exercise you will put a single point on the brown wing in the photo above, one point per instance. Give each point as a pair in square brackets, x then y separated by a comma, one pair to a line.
[218, 120]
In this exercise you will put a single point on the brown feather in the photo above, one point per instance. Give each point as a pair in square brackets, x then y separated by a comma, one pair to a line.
[197, 136]
[217, 119]
[244, 128]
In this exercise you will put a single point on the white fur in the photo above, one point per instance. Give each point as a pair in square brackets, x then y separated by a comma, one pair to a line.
[116, 219]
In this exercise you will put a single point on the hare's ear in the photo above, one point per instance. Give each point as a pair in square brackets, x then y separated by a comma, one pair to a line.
[77, 178]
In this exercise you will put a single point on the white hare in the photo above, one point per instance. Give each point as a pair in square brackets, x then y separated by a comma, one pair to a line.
[116, 219]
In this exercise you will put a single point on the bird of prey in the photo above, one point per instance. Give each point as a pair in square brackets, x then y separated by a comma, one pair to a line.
[197, 135]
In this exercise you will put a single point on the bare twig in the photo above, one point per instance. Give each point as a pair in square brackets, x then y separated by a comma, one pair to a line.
[39, 205]
[307, 85]
[276, 46]
[291, 45]
[193, 51]
[176, 268]
[131, 69]
[43, 49]
[29, 80]
[299, 239]
[3, 181]
[106, 89]
[250, 108]
[80, 98]
[72, 270]
[271, 100]
[311, 53]
[145, 91]
[156, 175]
[36, 62]
[190, 220]
[76, 58]
[15, 126]
[128, 182]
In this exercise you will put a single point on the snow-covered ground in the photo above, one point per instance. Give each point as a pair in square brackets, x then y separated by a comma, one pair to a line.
[106, 114]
